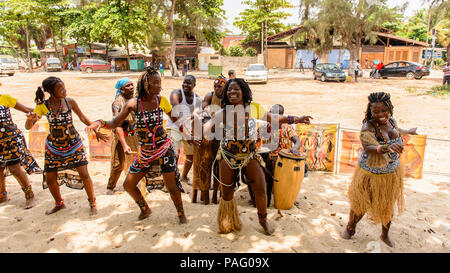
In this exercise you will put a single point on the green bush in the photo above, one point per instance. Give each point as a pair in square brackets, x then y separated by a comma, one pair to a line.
[224, 51]
[236, 51]
[251, 52]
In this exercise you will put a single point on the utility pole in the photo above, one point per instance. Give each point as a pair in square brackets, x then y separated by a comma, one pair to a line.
[262, 37]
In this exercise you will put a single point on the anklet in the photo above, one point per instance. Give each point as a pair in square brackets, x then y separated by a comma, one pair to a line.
[28, 192]
[262, 216]
[3, 195]
[180, 210]
[350, 232]
[92, 204]
[143, 205]
[60, 203]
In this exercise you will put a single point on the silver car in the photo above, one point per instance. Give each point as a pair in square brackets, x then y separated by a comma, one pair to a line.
[53, 64]
[256, 73]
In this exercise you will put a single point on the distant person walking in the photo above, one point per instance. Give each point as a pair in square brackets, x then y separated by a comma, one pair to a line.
[357, 69]
[301, 65]
[161, 69]
[446, 70]
[314, 62]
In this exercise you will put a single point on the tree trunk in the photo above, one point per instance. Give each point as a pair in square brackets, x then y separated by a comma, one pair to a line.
[30, 64]
[55, 45]
[448, 53]
[173, 64]
[128, 54]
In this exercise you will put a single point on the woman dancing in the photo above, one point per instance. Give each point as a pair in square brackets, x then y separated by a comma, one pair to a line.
[14, 152]
[63, 147]
[155, 146]
[377, 183]
[237, 152]
[124, 141]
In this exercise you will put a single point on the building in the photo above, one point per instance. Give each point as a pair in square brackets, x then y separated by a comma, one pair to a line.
[388, 48]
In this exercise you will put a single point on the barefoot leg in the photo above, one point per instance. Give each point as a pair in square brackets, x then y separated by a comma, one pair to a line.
[175, 194]
[89, 187]
[51, 178]
[19, 173]
[130, 186]
[257, 180]
[3, 194]
[351, 226]
[384, 235]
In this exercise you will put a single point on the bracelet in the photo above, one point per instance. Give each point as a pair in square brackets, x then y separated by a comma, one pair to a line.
[103, 124]
[381, 149]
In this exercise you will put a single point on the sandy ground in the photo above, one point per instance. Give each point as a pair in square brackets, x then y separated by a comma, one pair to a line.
[315, 222]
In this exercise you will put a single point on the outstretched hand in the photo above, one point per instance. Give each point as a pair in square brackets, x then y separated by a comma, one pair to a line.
[101, 136]
[305, 119]
[412, 131]
[32, 117]
[92, 128]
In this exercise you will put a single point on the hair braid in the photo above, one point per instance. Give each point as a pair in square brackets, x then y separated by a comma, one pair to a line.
[142, 84]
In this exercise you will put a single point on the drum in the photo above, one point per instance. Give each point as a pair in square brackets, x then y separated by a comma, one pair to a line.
[288, 178]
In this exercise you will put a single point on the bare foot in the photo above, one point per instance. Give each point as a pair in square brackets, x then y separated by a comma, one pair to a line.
[267, 228]
[387, 241]
[346, 235]
[55, 209]
[182, 219]
[29, 203]
[93, 211]
[145, 214]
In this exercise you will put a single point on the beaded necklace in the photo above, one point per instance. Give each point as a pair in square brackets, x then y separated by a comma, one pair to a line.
[58, 112]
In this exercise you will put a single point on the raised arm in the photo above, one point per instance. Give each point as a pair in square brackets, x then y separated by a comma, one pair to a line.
[288, 119]
[19, 106]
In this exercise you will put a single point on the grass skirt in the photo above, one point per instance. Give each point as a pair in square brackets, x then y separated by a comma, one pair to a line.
[376, 194]
[227, 216]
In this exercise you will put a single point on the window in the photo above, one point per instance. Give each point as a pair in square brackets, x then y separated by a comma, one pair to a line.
[392, 65]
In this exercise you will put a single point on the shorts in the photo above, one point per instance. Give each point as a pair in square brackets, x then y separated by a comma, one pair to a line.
[177, 139]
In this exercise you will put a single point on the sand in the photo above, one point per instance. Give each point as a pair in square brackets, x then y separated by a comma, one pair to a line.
[314, 223]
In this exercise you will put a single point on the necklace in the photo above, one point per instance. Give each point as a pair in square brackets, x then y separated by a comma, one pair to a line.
[58, 112]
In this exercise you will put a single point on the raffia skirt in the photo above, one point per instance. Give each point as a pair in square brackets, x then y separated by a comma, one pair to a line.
[376, 194]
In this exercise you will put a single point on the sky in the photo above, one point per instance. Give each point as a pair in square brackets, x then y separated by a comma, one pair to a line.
[234, 7]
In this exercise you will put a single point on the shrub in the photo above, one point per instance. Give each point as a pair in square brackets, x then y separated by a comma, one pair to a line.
[251, 52]
[236, 51]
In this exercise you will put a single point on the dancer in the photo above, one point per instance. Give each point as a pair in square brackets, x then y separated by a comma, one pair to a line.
[237, 152]
[14, 153]
[155, 146]
[63, 147]
[377, 183]
[124, 142]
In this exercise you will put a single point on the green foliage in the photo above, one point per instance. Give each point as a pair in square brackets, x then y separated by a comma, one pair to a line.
[439, 90]
[236, 51]
[267, 12]
[224, 51]
[251, 52]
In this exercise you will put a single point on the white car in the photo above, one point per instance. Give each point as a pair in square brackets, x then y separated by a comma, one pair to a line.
[8, 66]
[256, 73]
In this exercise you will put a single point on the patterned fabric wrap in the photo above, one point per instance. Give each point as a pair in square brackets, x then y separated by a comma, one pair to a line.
[64, 149]
[155, 147]
[13, 148]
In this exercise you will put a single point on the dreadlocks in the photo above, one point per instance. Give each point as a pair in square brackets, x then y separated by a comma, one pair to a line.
[142, 84]
[378, 97]
[246, 92]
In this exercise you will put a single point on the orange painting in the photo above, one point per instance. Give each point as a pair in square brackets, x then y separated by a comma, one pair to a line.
[36, 138]
[100, 150]
[411, 159]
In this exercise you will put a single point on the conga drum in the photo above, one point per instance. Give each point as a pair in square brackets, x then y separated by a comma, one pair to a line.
[288, 178]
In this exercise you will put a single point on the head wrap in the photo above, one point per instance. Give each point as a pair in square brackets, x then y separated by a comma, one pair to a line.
[220, 80]
[120, 84]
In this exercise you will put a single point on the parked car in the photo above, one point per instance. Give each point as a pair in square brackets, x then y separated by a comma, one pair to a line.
[256, 73]
[8, 65]
[94, 65]
[53, 64]
[326, 72]
[409, 70]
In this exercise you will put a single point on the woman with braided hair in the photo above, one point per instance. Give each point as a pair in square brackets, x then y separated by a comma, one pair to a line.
[155, 146]
[64, 149]
[237, 151]
[377, 183]
[14, 154]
